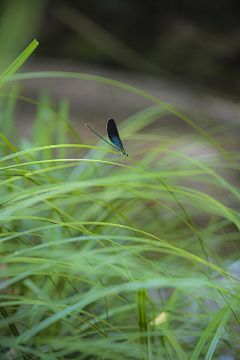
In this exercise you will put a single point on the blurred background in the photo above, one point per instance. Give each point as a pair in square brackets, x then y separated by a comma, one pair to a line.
[185, 53]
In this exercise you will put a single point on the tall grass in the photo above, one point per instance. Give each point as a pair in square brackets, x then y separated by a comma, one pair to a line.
[105, 261]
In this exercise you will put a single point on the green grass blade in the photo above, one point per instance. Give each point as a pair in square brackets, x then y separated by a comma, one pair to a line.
[18, 62]
[223, 320]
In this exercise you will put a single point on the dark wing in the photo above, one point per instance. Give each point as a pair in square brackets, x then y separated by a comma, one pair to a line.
[113, 134]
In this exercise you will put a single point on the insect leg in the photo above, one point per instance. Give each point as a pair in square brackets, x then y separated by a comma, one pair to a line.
[117, 156]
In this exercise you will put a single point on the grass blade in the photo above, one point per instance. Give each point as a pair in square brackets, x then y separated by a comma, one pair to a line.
[18, 62]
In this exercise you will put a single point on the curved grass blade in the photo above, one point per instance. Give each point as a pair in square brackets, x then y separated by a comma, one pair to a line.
[18, 62]
[49, 74]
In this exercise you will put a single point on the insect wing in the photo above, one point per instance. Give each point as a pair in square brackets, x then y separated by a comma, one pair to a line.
[113, 134]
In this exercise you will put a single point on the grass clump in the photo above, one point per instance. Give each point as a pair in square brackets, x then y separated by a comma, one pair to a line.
[105, 261]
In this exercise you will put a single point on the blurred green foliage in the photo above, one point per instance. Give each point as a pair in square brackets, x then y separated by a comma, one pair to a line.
[19, 24]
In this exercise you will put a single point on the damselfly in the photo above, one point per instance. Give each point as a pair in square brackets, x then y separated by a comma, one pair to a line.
[114, 137]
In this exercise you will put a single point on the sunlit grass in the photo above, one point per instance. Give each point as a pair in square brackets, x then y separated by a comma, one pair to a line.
[93, 252]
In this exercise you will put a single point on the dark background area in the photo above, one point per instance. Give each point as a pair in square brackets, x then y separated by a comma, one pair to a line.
[194, 41]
